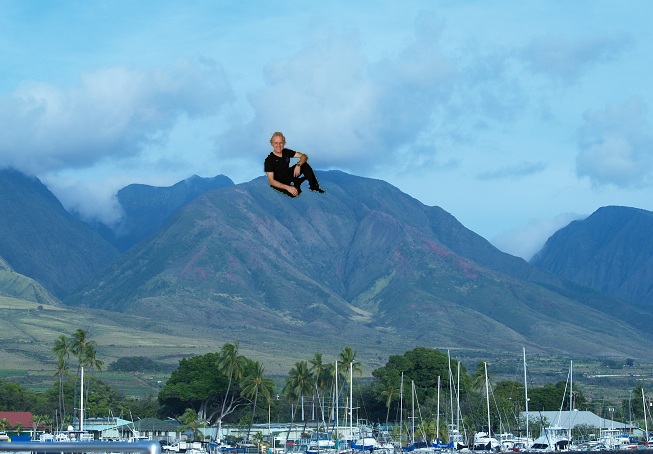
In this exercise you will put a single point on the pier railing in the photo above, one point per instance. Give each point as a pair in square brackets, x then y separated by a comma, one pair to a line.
[142, 447]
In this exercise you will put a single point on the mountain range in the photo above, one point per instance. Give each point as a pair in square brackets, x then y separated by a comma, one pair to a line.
[363, 265]
[610, 251]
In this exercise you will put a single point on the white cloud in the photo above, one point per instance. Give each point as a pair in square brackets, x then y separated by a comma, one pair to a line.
[528, 240]
[111, 114]
[616, 146]
[330, 97]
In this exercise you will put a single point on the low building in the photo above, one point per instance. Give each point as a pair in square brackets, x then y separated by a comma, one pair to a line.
[24, 418]
[157, 429]
[576, 418]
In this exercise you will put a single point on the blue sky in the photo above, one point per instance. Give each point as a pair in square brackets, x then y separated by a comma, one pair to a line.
[514, 116]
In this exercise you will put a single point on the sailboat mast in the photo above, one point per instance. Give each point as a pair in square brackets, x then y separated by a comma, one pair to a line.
[571, 386]
[526, 392]
[81, 401]
[487, 392]
[437, 419]
[401, 409]
[458, 400]
[450, 385]
[412, 400]
[351, 401]
[337, 401]
[571, 396]
[645, 420]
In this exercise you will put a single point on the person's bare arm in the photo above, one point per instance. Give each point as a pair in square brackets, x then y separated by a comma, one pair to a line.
[302, 159]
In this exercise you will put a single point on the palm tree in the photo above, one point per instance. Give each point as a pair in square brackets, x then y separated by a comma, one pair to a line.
[478, 377]
[84, 350]
[299, 382]
[254, 384]
[78, 344]
[62, 350]
[190, 421]
[389, 390]
[90, 357]
[42, 421]
[232, 365]
[322, 378]
[347, 360]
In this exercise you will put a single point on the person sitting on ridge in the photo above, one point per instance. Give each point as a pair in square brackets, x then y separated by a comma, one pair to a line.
[281, 175]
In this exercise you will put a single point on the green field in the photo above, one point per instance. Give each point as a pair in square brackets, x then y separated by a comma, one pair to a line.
[28, 331]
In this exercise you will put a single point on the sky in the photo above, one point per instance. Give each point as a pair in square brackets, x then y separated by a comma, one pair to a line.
[515, 116]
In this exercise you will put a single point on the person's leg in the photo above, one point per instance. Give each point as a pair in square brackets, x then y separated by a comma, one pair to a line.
[299, 191]
[307, 171]
[288, 179]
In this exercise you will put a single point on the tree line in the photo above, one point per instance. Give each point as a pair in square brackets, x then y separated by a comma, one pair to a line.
[226, 387]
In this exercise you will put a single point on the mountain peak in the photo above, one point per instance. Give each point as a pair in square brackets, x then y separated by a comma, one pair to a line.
[611, 251]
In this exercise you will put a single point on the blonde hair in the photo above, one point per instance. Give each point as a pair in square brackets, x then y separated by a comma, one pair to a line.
[278, 134]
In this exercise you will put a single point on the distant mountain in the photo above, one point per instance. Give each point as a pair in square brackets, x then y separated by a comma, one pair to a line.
[16, 285]
[364, 264]
[610, 251]
[41, 240]
[147, 208]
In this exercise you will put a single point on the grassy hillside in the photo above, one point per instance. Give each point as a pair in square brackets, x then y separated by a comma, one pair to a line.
[364, 265]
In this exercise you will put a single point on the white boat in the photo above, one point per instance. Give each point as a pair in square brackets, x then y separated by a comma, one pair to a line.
[556, 438]
[484, 442]
[553, 438]
[456, 439]
[614, 439]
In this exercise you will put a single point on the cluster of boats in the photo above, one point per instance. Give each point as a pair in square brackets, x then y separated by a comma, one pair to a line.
[553, 439]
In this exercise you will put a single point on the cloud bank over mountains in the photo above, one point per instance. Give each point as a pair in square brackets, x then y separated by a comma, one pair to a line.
[502, 116]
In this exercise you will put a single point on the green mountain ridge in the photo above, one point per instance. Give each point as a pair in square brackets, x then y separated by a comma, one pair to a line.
[16, 285]
[40, 239]
[363, 264]
[146, 208]
[610, 251]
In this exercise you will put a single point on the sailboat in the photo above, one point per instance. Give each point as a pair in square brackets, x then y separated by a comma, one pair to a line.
[520, 443]
[485, 441]
[556, 438]
[456, 438]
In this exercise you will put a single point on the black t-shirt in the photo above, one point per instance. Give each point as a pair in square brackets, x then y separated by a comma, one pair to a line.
[280, 166]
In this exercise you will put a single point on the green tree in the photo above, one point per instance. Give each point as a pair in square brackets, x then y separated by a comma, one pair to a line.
[389, 390]
[84, 350]
[477, 379]
[232, 365]
[423, 366]
[197, 383]
[61, 349]
[347, 361]
[191, 421]
[322, 379]
[14, 398]
[254, 384]
[299, 383]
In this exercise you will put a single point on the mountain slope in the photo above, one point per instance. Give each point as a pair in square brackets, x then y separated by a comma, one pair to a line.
[147, 208]
[18, 286]
[364, 264]
[40, 239]
[610, 251]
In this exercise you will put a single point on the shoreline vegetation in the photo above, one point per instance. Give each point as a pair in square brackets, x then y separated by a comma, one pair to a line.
[227, 386]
